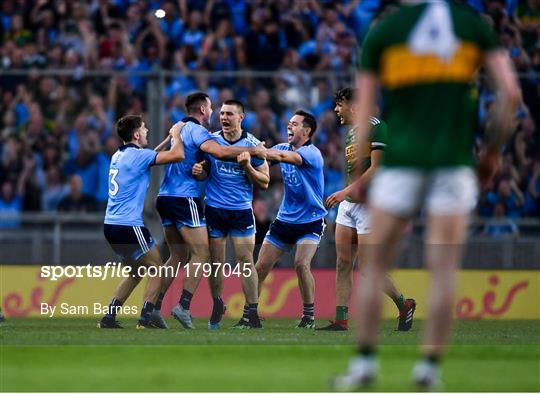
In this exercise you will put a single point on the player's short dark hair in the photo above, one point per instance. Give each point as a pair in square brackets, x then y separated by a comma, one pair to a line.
[236, 103]
[126, 126]
[345, 95]
[194, 101]
[308, 121]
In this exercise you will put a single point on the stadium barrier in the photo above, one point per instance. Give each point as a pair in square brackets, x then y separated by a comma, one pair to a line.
[482, 294]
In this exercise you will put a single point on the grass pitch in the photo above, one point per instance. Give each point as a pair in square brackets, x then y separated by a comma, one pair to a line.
[72, 355]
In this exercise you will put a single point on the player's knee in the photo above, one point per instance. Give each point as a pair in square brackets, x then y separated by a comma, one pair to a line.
[343, 265]
[301, 267]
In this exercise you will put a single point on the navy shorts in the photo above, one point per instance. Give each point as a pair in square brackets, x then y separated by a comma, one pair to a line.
[180, 211]
[284, 235]
[222, 222]
[129, 242]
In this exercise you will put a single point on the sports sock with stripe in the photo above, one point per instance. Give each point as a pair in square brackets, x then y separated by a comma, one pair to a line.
[342, 312]
[309, 311]
[185, 299]
[400, 302]
[112, 308]
[147, 310]
[159, 301]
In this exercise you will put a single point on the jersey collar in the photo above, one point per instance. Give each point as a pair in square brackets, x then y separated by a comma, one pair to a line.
[191, 119]
[242, 136]
[129, 145]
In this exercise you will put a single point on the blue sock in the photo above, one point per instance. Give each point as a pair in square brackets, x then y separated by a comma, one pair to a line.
[252, 309]
[159, 301]
[309, 310]
[147, 309]
[185, 299]
[113, 306]
[245, 314]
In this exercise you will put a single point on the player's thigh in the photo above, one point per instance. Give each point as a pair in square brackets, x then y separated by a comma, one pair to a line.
[305, 251]
[445, 239]
[346, 243]
[218, 249]
[243, 248]
[268, 256]
[197, 239]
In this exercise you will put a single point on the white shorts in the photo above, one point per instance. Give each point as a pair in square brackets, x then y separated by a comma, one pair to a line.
[354, 216]
[402, 191]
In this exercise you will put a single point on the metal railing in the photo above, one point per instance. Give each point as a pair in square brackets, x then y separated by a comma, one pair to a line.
[67, 238]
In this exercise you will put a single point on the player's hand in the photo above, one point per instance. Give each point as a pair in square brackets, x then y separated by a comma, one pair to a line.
[487, 166]
[243, 159]
[358, 191]
[197, 169]
[176, 129]
[260, 151]
[336, 198]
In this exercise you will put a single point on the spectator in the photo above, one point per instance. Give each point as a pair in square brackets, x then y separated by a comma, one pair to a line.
[76, 201]
[500, 225]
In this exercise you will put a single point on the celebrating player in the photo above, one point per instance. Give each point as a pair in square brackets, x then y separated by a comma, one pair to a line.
[352, 223]
[425, 56]
[229, 198]
[300, 220]
[179, 203]
[129, 176]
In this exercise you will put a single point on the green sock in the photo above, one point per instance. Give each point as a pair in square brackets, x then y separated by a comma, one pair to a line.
[342, 312]
[400, 302]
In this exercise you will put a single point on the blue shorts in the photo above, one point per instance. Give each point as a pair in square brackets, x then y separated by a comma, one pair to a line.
[180, 211]
[237, 223]
[129, 242]
[285, 235]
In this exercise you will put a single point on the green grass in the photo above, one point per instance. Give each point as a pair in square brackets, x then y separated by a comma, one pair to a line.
[73, 355]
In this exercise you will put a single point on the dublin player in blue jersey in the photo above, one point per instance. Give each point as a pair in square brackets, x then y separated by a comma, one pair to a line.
[300, 220]
[229, 212]
[179, 203]
[124, 229]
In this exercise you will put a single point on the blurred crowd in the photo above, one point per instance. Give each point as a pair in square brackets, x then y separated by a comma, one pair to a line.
[57, 130]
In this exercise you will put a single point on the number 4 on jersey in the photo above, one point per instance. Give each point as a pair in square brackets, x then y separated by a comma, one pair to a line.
[434, 32]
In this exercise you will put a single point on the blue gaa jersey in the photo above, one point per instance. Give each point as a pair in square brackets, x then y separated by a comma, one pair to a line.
[304, 186]
[129, 176]
[228, 185]
[178, 180]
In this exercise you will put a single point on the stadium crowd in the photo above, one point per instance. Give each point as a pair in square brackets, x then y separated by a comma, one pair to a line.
[56, 131]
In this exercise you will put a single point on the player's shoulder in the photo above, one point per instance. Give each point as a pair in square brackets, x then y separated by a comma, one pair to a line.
[251, 139]
[282, 146]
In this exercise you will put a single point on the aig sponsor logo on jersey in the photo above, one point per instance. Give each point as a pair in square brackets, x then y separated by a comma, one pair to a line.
[289, 174]
[229, 169]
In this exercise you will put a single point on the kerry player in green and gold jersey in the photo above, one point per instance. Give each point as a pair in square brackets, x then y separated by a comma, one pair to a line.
[425, 56]
[352, 222]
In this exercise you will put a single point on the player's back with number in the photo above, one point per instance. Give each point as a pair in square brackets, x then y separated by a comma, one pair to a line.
[129, 176]
[426, 56]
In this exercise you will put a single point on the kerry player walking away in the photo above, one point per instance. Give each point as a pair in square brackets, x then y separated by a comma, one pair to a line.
[300, 219]
[124, 229]
[352, 222]
[229, 211]
[425, 56]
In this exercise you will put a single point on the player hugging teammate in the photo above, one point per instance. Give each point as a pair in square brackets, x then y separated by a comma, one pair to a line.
[233, 160]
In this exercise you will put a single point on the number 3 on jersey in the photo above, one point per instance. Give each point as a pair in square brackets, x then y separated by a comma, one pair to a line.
[434, 32]
[113, 185]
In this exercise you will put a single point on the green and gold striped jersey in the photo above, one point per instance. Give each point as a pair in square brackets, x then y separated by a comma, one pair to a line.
[426, 56]
[356, 163]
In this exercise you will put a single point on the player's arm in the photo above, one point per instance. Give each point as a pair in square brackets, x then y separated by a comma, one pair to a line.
[200, 170]
[500, 118]
[284, 156]
[259, 176]
[231, 152]
[359, 183]
[176, 153]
